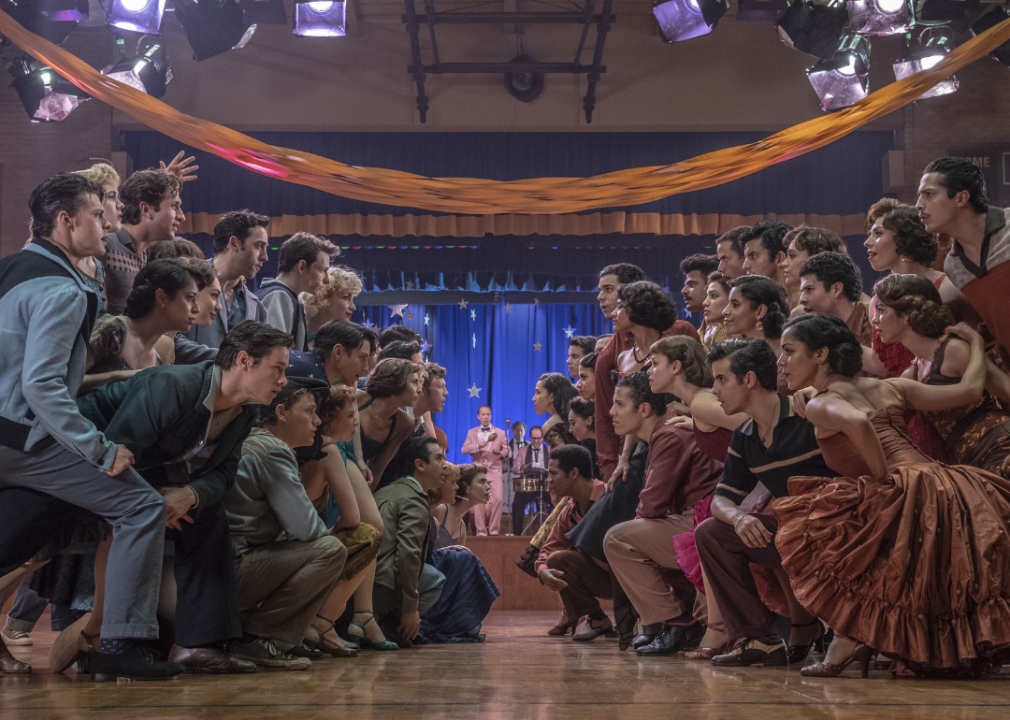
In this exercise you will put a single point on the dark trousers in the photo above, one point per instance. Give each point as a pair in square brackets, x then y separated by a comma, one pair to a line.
[207, 609]
[28, 520]
[519, 502]
[726, 560]
[587, 582]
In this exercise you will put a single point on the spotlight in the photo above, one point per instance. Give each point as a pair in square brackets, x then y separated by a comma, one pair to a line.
[147, 71]
[879, 17]
[143, 16]
[52, 19]
[842, 80]
[814, 29]
[320, 19]
[213, 26]
[760, 10]
[991, 19]
[46, 96]
[923, 56]
[264, 12]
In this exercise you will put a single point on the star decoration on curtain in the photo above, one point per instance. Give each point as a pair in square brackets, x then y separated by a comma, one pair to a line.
[569, 332]
[463, 304]
[368, 324]
[508, 308]
[426, 319]
[410, 316]
[474, 391]
[395, 310]
[409, 284]
[536, 301]
[473, 314]
[425, 347]
[475, 341]
[537, 347]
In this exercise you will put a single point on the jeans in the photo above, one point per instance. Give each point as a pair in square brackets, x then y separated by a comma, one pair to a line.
[27, 609]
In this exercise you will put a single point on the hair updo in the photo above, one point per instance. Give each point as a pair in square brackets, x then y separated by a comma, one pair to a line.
[916, 299]
[759, 290]
[170, 276]
[911, 239]
[691, 354]
[817, 330]
[467, 475]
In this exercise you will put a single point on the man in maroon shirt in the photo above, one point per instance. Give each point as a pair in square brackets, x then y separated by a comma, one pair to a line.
[679, 476]
[611, 278]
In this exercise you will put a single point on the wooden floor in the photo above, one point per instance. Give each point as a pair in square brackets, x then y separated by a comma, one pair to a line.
[519, 673]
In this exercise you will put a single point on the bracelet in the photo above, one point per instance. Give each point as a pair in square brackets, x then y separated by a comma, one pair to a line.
[736, 522]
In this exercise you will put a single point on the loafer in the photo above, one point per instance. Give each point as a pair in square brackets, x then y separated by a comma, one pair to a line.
[648, 634]
[675, 638]
[136, 662]
[595, 627]
[264, 653]
[209, 661]
[769, 651]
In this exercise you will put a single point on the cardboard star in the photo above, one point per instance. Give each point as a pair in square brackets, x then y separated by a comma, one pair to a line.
[474, 391]
[395, 310]
[425, 347]
[569, 332]
[463, 304]
[537, 347]
[473, 314]
[409, 284]
[475, 341]
[536, 301]
[368, 324]
[508, 308]
[410, 316]
[426, 319]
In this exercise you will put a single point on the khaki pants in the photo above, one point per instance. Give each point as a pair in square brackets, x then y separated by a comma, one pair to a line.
[282, 585]
[636, 551]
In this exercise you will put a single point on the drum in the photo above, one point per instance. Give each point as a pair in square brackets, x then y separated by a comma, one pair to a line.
[528, 484]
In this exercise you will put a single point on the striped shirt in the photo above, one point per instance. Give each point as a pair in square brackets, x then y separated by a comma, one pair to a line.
[793, 452]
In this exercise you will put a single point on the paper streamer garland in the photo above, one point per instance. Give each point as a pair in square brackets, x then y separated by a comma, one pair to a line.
[492, 197]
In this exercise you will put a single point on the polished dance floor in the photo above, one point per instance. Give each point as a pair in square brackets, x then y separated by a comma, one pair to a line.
[518, 673]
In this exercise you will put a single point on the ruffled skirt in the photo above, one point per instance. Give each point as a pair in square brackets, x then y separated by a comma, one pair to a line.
[917, 567]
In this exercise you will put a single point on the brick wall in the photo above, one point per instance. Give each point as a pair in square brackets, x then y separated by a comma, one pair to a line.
[977, 115]
[31, 152]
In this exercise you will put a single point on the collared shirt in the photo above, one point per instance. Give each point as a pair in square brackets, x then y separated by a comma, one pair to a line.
[794, 451]
[568, 519]
[994, 251]
[536, 456]
[859, 324]
[679, 473]
[415, 482]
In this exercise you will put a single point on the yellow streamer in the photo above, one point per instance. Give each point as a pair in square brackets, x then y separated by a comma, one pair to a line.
[492, 197]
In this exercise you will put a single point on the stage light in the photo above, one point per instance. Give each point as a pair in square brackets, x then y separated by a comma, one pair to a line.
[143, 16]
[990, 19]
[842, 80]
[922, 56]
[147, 71]
[879, 17]
[320, 19]
[760, 10]
[46, 96]
[686, 19]
[264, 12]
[814, 29]
[213, 26]
[52, 19]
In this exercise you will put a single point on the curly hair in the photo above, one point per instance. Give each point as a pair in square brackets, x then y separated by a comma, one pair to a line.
[759, 290]
[704, 264]
[833, 267]
[585, 409]
[335, 401]
[911, 239]
[434, 371]
[736, 238]
[468, 473]
[817, 330]
[916, 299]
[146, 186]
[647, 305]
[341, 278]
[640, 391]
[813, 241]
[881, 208]
[101, 173]
[690, 353]
[390, 377]
[563, 391]
[771, 233]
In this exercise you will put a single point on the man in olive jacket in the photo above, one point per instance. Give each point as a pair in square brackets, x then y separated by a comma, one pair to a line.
[405, 586]
[185, 425]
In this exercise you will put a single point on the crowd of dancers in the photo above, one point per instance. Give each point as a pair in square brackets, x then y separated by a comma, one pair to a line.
[196, 476]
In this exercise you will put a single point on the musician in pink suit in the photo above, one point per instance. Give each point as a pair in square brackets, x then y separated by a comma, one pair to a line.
[487, 444]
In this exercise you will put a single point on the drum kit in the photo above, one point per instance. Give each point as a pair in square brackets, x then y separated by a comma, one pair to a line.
[533, 480]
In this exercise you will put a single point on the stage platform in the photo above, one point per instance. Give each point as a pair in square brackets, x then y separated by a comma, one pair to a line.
[518, 674]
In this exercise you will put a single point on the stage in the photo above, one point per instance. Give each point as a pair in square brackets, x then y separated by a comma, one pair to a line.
[519, 673]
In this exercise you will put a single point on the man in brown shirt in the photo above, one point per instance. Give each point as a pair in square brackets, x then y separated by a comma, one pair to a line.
[830, 284]
[679, 476]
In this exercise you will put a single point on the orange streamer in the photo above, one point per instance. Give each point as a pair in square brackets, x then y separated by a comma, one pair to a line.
[492, 197]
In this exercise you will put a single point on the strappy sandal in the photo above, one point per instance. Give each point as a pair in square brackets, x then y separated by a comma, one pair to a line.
[9, 665]
[798, 653]
[339, 648]
[363, 640]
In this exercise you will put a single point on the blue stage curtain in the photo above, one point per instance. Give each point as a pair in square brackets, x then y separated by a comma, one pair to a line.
[491, 347]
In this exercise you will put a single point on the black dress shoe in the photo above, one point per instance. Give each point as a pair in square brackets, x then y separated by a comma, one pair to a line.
[649, 633]
[209, 661]
[675, 638]
[136, 662]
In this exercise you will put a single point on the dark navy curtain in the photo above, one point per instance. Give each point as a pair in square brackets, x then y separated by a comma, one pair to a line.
[493, 354]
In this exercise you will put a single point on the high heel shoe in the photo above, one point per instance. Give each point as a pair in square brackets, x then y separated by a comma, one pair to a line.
[863, 654]
[565, 625]
[798, 653]
[383, 646]
[338, 648]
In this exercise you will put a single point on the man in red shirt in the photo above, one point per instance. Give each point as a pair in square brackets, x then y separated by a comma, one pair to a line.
[679, 476]
[611, 278]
